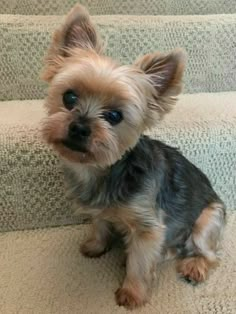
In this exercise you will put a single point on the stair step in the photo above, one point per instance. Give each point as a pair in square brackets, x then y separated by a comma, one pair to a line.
[43, 272]
[210, 42]
[138, 7]
[32, 194]
[32, 191]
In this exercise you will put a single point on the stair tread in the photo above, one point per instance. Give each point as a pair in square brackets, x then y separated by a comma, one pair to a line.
[43, 272]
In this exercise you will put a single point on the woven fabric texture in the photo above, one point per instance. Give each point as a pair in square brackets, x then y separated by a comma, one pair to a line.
[210, 42]
[44, 273]
[139, 7]
[32, 193]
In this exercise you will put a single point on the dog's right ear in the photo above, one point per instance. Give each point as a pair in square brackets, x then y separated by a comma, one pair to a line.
[76, 32]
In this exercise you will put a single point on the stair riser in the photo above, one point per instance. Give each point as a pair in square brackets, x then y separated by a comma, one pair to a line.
[210, 43]
[139, 7]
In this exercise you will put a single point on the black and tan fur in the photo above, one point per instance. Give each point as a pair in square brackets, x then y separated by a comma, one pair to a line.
[150, 194]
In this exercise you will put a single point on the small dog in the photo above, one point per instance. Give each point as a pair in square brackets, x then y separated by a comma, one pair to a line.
[150, 194]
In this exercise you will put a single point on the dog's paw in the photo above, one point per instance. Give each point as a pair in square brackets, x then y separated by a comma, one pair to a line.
[129, 299]
[193, 270]
[93, 248]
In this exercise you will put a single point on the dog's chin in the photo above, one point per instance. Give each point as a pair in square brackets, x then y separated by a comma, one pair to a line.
[78, 153]
[75, 146]
[73, 152]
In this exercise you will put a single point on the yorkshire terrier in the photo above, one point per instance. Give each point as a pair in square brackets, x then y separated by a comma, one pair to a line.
[151, 195]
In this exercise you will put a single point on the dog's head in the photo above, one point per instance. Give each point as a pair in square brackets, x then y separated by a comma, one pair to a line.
[97, 109]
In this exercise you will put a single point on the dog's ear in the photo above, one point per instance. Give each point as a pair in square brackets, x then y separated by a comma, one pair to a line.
[76, 32]
[165, 71]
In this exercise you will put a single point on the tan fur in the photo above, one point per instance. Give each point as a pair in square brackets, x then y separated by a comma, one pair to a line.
[207, 217]
[75, 61]
[98, 241]
[169, 254]
[195, 268]
[55, 128]
[143, 252]
[203, 220]
[77, 29]
[165, 70]
[207, 231]
[204, 242]
[143, 248]
[131, 295]
[115, 90]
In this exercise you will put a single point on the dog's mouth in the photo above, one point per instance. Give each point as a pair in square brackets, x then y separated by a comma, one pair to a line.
[75, 146]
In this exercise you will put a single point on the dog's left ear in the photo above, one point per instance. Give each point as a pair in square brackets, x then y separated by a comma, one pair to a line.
[77, 31]
[164, 72]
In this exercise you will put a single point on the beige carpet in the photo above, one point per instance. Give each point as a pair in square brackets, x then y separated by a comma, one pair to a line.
[43, 272]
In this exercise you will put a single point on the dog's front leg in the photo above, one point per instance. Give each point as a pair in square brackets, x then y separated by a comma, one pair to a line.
[143, 252]
[99, 240]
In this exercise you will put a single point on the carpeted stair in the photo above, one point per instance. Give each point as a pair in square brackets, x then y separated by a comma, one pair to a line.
[42, 270]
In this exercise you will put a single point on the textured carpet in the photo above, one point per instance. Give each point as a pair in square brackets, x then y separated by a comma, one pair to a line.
[203, 126]
[210, 42]
[139, 7]
[43, 272]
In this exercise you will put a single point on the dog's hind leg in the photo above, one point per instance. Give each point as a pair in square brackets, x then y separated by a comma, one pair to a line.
[203, 244]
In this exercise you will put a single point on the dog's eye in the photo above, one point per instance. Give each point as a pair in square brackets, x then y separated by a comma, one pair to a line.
[113, 117]
[70, 99]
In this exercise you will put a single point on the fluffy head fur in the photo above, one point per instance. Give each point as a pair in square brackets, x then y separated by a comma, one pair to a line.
[143, 92]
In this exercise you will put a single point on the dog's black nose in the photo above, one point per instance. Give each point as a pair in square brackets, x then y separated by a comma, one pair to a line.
[79, 130]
